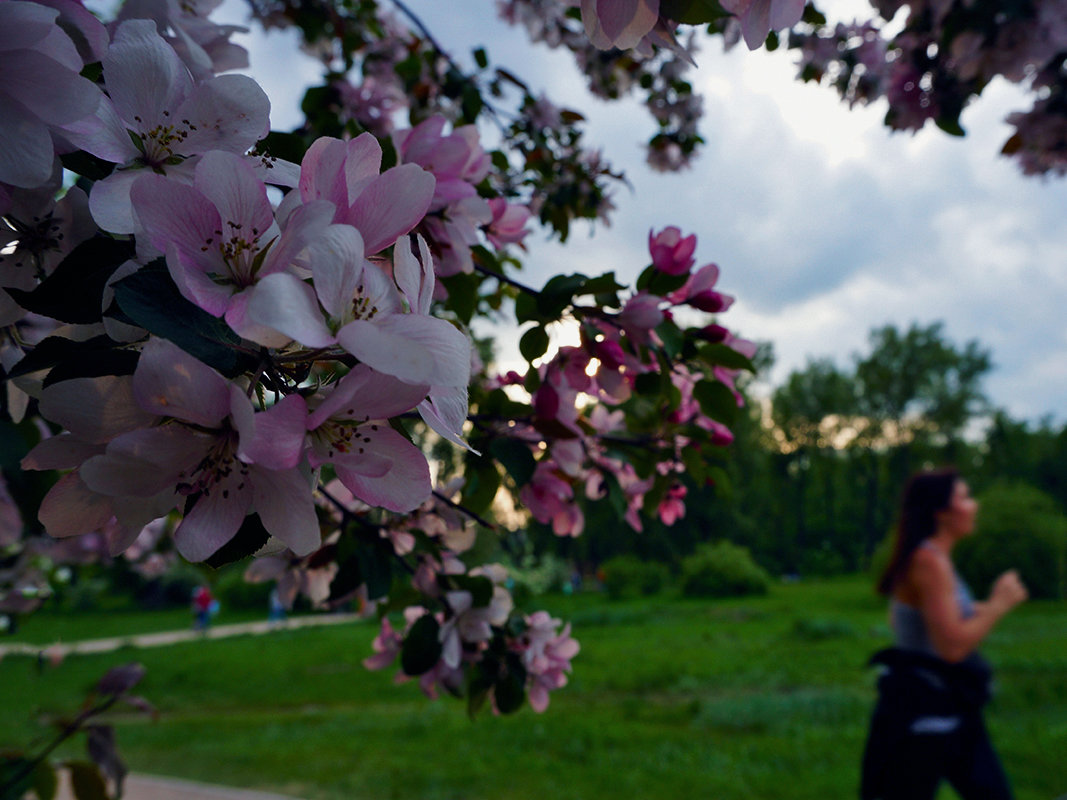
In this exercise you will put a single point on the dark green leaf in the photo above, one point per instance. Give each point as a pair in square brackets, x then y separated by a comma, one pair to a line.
[250, 537]
[480, 58]
[74, 291]
[421, 648]
[510, 689]
[721, 355]
[86, 781]
[672, 337]
[463, 294]
[526, 308]
[86, 165]
[559, 293]
[480, 587]
[950, 125]
[695, 465]
[152, 300]
[716, 400]
[287, 146]
[533, 343]
[16, 776]
[516, 457]
[91, 358]
[603, 283]
[482, 484]
[647, 383]
[691, 12]
[43, 781]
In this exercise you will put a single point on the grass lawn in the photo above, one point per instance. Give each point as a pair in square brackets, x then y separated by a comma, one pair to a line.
[759, 698]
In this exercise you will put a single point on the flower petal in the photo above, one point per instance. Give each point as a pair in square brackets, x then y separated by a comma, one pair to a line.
[404, 487]
[71, 508]
[170, 382]
[95, 409]
[413, 347]
[215, 519]
[230, 112]
[144, 76]
[283, 500]
[366, 394]
[391, 205]
[287, 304]
[276, 440]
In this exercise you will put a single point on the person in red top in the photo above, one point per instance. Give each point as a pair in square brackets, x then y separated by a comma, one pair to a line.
[202, 603]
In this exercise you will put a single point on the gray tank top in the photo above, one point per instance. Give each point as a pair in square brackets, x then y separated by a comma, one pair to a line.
[908, 625]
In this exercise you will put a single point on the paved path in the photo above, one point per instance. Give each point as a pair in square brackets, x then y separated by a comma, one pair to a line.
[60, 650]
[149, 787]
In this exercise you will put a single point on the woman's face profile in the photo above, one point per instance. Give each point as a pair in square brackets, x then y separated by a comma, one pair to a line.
[958, 516]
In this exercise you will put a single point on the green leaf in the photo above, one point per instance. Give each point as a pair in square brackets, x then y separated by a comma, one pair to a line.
[86, 781]
[721, 355]
[605, 283]
[533, 343]
[86, 165]
[526, 309]
[695, 465]
[421, 648]
[482, 485]
[691, 12]
[480, 587]
[463, 294]
[480, 58]
[516, 457]
[15, 776]
[151, 299]
[43, 781]
[510, 689]
[672, 337]
[647, 383]
[287, 146]
[950, 126]
[74, 291]
[559, 293]
[716, 400]
[54, 350]
[250, 537]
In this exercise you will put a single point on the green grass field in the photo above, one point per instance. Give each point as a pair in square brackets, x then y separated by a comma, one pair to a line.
[756, 698]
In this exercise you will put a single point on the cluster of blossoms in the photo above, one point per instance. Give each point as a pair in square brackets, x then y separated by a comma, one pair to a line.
[945, 55]
[590, 402]
[620, 55]
[216, 351]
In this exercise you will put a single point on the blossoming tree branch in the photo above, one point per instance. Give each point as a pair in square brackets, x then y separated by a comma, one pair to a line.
[238, 344]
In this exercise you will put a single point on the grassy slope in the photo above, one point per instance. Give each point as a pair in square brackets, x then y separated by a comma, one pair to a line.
[755, 698]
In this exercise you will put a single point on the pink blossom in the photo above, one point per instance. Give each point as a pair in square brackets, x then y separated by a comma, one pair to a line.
[386, 647]
[214, 450]
[759, 17]
[618, 23]
[672, 507]
[671, 252]
[547, 653]
[550, 499]
[456, 160]
[509, 223]
[349, 429]
[170, 116]
[220, 237]
[382, 207]
[41, 92]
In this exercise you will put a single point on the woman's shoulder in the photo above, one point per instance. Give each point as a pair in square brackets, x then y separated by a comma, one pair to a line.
[929, 566]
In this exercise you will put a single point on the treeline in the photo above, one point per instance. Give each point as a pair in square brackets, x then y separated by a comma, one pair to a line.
[817, 468]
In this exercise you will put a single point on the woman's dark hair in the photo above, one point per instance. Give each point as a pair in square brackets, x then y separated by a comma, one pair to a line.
[926, 493]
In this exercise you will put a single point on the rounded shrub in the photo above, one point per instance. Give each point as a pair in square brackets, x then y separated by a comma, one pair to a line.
[1018, 527]
[722, 569]
[629, 576]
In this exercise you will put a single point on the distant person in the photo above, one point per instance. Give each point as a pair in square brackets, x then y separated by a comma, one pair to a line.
[204, 605]
[275, 607]
[928, 725]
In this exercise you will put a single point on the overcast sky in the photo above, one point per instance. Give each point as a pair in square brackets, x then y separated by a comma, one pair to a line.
[824, 224]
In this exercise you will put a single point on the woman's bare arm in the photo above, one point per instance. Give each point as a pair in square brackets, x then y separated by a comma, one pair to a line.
[954, 637]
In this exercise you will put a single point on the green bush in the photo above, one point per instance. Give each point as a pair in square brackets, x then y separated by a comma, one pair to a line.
[722, 570]
[1019, 528]
[629, 576]
[234, 592]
